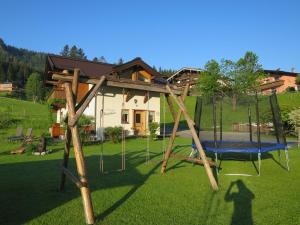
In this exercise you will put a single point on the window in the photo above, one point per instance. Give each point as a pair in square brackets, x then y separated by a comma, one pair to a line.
[137, 118]
[125, 116]
[151, 116]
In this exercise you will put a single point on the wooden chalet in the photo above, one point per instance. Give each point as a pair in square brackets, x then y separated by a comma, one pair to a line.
[185, 76]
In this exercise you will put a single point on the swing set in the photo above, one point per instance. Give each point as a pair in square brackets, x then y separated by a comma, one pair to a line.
[70, 80]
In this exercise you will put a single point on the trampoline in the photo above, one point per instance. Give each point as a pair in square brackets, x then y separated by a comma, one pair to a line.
[263, 129]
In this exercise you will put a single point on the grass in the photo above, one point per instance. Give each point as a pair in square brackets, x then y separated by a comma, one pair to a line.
[141, 195]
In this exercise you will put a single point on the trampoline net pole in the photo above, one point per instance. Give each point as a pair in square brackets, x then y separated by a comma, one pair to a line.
[215, 120]
[258, 122]
[221, 119]
[250, 123]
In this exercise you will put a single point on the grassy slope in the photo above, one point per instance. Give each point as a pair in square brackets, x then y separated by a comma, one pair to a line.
[141, 195]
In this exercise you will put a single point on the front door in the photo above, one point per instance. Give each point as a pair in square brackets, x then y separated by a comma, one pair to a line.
[140, 122]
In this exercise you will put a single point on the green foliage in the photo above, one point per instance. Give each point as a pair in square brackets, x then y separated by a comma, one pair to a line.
[114, 133]
[34, 87]
[153, 127]
[211, 79]
[294, 117]
[74, 52]
[298, 79]
[290, 89]
[84, 122]
[243, 75]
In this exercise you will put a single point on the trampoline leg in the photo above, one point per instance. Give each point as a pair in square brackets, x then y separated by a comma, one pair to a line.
[259, 163]
[250, 156]
[287, 159]
[217, 166]
[279, 155]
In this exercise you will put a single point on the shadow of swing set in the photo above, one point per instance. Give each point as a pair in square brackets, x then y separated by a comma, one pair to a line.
[70, 82]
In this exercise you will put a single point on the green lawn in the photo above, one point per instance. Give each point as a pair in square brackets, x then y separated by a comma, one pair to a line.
[141, 195]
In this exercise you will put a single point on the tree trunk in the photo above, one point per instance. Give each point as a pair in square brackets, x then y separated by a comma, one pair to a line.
[234, 102]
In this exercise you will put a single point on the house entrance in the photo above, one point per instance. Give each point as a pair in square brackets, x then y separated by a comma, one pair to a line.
[140, 122]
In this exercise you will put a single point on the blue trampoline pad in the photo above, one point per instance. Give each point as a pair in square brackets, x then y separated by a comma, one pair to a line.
[239, 146]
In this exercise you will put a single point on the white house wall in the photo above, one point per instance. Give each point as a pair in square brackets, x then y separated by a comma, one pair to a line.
[110, 99]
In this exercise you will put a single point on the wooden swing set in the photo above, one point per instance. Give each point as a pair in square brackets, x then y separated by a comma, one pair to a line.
[70, 82]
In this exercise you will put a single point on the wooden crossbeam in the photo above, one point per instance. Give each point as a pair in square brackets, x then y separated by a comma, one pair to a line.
[89, 98]
[129, 95]
[146, 97]
[193, 160]
[196, 139]
[111, 82]
[72, 177]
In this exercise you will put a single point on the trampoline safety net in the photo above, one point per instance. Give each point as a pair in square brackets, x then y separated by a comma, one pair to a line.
[245, 123]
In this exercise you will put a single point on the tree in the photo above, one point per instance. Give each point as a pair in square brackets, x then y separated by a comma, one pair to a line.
[11, 73]
[2, 73]
[65, 51]
[81, 54]
[34, 87]
[294, 117]
[243, 76]
[120, 61]
[73, 52]
[101, 59]
[211, 79]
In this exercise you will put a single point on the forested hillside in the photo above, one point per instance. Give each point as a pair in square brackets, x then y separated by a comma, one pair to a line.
[16, 64]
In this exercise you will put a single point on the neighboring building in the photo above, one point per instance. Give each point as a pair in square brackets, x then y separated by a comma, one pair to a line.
[112, 106]
[7, 87]
[278, 80]
[184, 76]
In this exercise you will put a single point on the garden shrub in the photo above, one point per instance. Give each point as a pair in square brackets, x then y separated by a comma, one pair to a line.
[153, 127]
[114, 133]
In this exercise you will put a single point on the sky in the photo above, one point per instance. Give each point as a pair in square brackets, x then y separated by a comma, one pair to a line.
[167, 34]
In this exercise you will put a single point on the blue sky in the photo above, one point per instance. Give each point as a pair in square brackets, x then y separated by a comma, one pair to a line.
[170, 34]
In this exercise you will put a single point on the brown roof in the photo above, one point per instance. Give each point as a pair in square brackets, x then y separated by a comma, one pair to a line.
[280, 72]
[92, 69]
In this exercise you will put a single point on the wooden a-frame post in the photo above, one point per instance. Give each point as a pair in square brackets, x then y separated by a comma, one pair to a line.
[196, 139]
[72, 131]
[173, 135]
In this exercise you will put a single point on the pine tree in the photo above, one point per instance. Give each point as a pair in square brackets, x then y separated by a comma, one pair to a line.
[95, 59]
[73, 52]
[11, 73]
[65, 51]
[2, 74]
[81, 54]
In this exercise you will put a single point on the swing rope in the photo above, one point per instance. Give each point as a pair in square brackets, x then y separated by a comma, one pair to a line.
[102, 135]
[148, 132]
[164, 129]
[123, 137]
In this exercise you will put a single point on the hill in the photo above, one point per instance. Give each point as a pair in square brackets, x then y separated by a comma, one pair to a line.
[16, 64]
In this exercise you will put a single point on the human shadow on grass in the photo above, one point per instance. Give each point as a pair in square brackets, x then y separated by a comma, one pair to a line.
[30, 189]
[242, 201]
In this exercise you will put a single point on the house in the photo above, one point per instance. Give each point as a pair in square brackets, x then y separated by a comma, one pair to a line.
[184, 76]
[7, 87]
[278, 80]
[130, 98]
